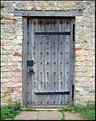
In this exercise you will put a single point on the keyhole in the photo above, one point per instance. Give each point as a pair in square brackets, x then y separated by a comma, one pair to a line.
[60, 22]
[40, 22]
[67, 22]
[61, 102]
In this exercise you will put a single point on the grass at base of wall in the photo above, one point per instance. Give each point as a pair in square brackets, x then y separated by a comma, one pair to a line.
[86, 112]
[10, 111]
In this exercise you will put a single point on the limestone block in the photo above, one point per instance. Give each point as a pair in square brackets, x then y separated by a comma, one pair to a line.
[4, 90]
[80, 58]
[16, 58]
[81, 74]
[10, 90]
[17, 90]
[6, 74]
[5, 79]
[17, 74]
[16, 80]
[6, 99]
[78, 63]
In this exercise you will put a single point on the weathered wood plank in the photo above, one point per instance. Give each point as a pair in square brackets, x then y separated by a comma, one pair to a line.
[53, 59]
[67, 60]
[34, 50]
[47, 61]
[54, 62]
[24, 67]
[67, 13]
[72, 58]
[29, 57]
[41, 42]
[61, 61]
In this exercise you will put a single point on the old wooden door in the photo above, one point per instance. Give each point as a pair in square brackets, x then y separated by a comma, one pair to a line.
[49, 61]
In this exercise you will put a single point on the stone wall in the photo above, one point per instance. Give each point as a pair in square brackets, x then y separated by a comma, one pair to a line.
[11, 47]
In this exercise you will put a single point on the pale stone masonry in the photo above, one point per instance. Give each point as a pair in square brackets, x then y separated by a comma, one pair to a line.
[11, 47]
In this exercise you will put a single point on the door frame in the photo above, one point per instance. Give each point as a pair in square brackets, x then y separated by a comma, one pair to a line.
[31, 14]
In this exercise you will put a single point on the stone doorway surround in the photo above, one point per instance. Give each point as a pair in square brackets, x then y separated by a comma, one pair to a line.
[27, 14]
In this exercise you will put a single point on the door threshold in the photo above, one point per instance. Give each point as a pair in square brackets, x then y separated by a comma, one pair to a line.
[37, 108]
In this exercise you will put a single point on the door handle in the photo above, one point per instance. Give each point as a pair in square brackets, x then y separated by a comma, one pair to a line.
[31, 70]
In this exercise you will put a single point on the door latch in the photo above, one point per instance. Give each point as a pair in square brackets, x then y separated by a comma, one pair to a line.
[30, 63]
[31, 71]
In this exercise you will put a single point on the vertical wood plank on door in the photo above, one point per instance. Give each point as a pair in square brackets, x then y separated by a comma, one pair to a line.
[39, 72]
[72, 58]
[67, 66]
[61, 61]
[47, 60]
[42, 62]
[54, 61]
[34, 51]
[24, 67]
[57, 61]
[29, 57]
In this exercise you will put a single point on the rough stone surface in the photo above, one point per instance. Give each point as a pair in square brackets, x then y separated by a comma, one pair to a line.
[49, 115]
[26, 115]
[72, 116]
[41, 115]
[11, 47]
